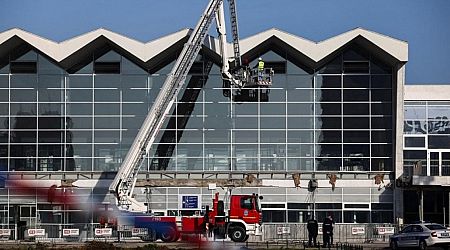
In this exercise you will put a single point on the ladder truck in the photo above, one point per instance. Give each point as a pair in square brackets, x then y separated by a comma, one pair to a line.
[244, 215]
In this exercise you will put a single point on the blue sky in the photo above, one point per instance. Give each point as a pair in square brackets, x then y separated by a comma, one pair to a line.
[424, 24]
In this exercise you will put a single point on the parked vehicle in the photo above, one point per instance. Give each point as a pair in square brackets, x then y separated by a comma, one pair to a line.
[422, 236]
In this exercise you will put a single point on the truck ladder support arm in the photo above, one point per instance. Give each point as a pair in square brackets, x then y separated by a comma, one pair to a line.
[125, 180]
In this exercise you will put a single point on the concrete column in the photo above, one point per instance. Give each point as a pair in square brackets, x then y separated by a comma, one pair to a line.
[399, 79]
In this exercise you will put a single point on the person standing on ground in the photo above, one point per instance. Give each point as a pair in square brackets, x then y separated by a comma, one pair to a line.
[313, 229]
[327, 231]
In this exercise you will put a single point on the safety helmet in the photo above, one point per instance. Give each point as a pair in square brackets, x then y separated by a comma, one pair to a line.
[260, 59]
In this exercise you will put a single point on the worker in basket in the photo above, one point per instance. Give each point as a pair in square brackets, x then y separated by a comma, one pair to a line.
[260, 67]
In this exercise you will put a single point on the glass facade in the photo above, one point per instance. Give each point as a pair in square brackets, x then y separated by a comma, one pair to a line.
[427, 138]
[338, 117]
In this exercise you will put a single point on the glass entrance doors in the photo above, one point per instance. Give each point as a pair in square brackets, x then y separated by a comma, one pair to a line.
[439, 162]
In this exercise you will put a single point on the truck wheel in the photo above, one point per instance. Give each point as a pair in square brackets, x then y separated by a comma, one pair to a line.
[394, 245]
[237, 234]
[422, 245]
[168, 234]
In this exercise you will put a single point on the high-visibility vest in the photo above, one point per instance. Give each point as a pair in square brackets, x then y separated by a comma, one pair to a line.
[261, 65]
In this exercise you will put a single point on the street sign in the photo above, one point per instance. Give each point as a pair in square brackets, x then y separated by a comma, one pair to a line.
[139, 231]
[36, 232]
[104, 232]
[385, 230]
[358, 230]
[5, 232]
[283, 230]
[67, 232]
[190, 202]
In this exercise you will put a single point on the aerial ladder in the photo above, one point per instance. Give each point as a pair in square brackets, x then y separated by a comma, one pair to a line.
[124, 183]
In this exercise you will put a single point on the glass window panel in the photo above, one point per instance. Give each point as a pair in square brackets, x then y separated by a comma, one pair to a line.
[356, 136]
[4, 95]
[51, 95]
[23, 81]
[356, 164]
[4, 69]
[377, 67]
[438, 141]
[77, 81]
[305, 164]
[382, 150]
[4, 81]
[51, 150]
[106, 136]
[356, 123]
[328, 136]
[327, 164]
[28, 56]
[328, 123]
[134, 95]
[275, 95]
[356, 67]
[79, 108]
[107, 95]
[300, 108]
[47, 67]
[272, 109]
[382, 136]
[328, 81]
[328, 109]
[381, 108]
[382, 123]
[273, 122]
[300, 150]
[381, 95]
[242, 136]
[4, 123]
[300, 81]
[217, 135]
[134, 81]
[381, 81]
[356, 150]
[439, 126]
[79, 123]
[246, 123]
[23, 95]
[217, 150]
[382, 164]
[356, 95]
[356, 109]
[300, 95]
[23, 122]
[217, 163]
[298, 122]
[50, 81]
[23, 136]
[139, 109]
[276, 136]
[21, 109]
[356, 216]
[48, 122]
[415, 127]
[328, 150]
[414, 142]
[110, 56]
[24, 150]
[245, 150]
[129, 67]
[107, 109]
[4, 109]
[328, 95]
[437, 112]
[79, 136]
[189, 163]
[356, 81]
[246, 163]
[332, 67]
[299, 136]
[79, 95]
[107, 122]
[245, 108]
[211, 122]
[51, 109]
[190, 150]
[191, 136]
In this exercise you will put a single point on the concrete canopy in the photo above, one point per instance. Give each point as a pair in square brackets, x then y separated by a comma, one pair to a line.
[151, 54]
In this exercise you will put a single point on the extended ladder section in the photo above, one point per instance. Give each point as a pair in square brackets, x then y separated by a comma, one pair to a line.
[235, 34]
[125, 180]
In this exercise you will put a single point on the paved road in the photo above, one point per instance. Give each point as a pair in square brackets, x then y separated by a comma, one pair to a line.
[220, 245]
